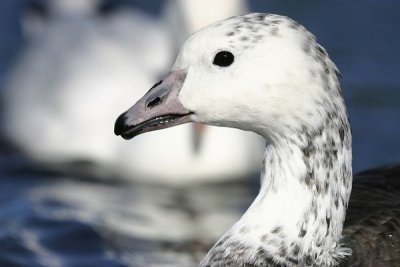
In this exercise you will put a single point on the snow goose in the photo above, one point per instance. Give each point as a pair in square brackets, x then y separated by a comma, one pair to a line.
[267, 74]
[80, 66]
[69, 83]
[201, 154]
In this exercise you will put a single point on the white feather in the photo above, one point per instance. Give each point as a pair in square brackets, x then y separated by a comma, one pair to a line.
[75, 75]
[283, 86]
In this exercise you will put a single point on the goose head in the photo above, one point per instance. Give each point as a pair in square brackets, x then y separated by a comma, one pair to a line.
[267, 74]
[254, 72]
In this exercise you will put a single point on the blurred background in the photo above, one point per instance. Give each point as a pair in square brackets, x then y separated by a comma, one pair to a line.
[73, 194]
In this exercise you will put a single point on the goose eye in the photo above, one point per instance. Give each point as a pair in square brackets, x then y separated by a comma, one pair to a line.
[223, 59]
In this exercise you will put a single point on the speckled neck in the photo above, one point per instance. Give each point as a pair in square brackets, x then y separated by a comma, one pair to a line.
[297, 217]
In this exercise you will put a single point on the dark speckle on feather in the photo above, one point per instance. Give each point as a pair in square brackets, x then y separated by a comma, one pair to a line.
[322, 144]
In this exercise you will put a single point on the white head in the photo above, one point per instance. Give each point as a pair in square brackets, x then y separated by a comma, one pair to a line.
[266, 74]
[270, 87]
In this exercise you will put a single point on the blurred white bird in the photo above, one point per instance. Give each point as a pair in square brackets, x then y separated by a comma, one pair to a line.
[67, 88]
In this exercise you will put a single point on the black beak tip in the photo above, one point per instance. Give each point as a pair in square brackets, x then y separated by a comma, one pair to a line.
[120, 124]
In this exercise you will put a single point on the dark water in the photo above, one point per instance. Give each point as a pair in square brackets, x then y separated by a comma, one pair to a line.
[49, 218]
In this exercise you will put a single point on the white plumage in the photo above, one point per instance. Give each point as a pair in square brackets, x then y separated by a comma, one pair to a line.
[77, 71]
[266, 74]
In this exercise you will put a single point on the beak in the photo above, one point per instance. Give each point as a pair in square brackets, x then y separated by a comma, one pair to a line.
[159, 108]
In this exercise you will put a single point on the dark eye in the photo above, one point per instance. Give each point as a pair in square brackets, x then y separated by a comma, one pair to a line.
[223, 59]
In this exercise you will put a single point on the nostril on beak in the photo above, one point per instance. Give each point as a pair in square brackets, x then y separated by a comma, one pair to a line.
[155, 102]
[120, 124]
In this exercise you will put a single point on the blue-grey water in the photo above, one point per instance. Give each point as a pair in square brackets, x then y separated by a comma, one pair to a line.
[71, 218]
